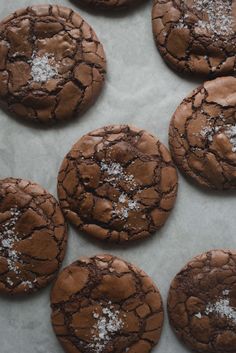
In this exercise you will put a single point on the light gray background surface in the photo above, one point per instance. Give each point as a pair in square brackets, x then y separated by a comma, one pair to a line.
[140, 89]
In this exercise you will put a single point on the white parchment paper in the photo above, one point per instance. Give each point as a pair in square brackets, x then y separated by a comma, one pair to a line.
[141, 90]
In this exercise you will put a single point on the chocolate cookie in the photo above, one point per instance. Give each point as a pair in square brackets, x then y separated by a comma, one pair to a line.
[202, 302]
[196, 36]
[51, 63]
[104, 304]
[110, 4]
[32, 236]
[202, 134]
[117, 183]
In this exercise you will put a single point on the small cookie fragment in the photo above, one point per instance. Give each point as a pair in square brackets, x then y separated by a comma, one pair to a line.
[104, 304]
[202, 302]
[117, 183]
[52, 64]
[110, 4]
[196, 36]
[33, 236]
[202, 134]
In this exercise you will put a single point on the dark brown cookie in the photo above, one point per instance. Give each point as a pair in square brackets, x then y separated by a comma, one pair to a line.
[202, 134]
[51, 63]
[202, 302]
[32, 236]
[110, 4]
[196, 36]
[104, 304]
[117, 183]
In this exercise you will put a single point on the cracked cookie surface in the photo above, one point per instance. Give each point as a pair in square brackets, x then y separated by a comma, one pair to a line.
[33, 236]
[117, 183]
[52, 64]
[110, 4]
[196, 36]
[104, 304]
[202, 134]
[202, 302]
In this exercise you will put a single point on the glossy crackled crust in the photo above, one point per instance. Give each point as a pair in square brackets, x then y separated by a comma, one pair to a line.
[201, 281]
[77, 53]
[89, 284]
[90, 201]
[188, 48]
[41, 236]
[211, 164]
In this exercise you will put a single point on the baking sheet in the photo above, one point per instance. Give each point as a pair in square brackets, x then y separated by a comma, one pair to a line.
[141, 90]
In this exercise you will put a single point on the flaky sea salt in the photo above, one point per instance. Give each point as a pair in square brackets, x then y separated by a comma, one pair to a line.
[8, 237]
[208, 132]
[220, 19]
[127, 205]
[229, 130]
[220, 308]
[198, 315]
[27, 283]
[117, 173]
[231, 134]
[107, 324]
[41, 70]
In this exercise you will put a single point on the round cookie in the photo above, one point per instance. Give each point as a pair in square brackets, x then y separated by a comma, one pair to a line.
[202, 134]
[196, 36]
[202, 302]
[33, 236]
[104, 304]
[52, 64]
[110, 4]
[117, 183]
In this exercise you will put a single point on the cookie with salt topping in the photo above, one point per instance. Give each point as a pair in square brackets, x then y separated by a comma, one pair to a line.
[33, 237]
[196, 36]
[202, 134]
[117, 183]
[202, 302]
[104, 304]
[52, 64]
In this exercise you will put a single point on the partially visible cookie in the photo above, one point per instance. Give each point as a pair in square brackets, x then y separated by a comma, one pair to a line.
[202, 134]
[117, 183]
[110, 4]
[202, 302]
[33, 236]
[104, 304]
[196, 36]
[52, 64]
